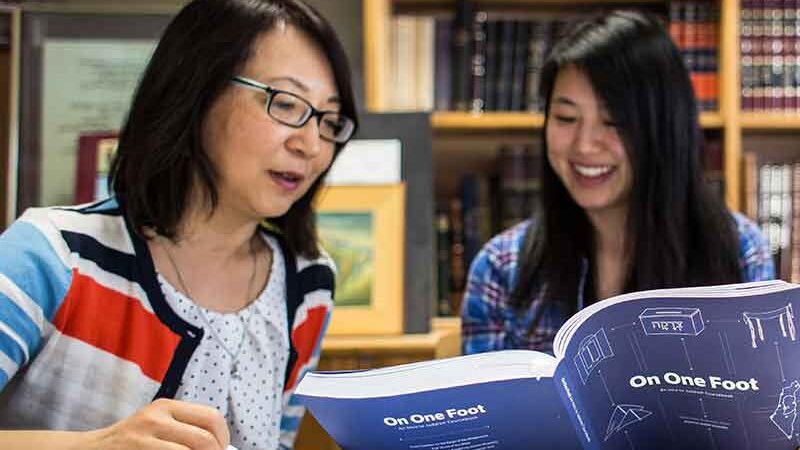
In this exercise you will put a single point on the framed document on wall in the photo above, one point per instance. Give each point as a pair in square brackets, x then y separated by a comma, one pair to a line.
[78, 74]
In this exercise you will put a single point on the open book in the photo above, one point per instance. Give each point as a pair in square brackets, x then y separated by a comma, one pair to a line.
[711, 368]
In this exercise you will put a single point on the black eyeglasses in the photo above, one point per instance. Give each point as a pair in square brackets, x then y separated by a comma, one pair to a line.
[295, 111]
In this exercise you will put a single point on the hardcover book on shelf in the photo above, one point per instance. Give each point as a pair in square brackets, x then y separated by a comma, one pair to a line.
[478, 66]
[443, 78]
[706, 367]
[461, 55]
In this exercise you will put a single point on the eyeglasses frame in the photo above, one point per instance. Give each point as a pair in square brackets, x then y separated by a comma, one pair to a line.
[311, 111]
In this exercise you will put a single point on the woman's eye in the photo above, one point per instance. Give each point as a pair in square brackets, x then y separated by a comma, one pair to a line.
[565, 119]
[284, 104]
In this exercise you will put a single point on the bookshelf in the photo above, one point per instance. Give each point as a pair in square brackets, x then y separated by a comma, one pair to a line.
[492, 126]
[754, 123]
[446, 121]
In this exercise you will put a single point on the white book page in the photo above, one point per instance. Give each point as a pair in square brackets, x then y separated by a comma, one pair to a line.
[429, 375]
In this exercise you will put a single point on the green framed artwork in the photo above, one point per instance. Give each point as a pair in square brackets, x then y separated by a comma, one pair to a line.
[361, 228]
[348, 238]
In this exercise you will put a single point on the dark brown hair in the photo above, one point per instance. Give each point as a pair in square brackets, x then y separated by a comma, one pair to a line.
[160, 148]
[678, 232]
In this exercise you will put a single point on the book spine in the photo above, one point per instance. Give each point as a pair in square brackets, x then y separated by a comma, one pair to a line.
[519, 66]
[513, 160]
[707, 56]
[404, 70]
[442, 71]
[461, 54]
[443, 281]
[538, 45]
[761, 69]
[478, 64]
[505, 65]
[773, 31]
[425, 62]
[713, 164]
[471, 211]
[750, 184]
[786, 220]
[747, 49]
[457, 264]
[492, 38]
[789, 53]
[794, 270]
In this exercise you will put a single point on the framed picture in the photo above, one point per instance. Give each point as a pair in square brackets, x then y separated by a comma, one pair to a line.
[361, 227]
[95, 151]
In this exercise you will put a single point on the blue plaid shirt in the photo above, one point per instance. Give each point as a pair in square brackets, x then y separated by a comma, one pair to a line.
[489, 323]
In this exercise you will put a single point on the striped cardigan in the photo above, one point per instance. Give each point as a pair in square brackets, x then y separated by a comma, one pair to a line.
[86, 336]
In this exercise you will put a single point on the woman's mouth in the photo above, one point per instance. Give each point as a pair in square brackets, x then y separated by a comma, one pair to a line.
[592, 175]
[287, 180]
[592, 171]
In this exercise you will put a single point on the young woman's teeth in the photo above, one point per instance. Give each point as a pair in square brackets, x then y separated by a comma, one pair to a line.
[592, 171]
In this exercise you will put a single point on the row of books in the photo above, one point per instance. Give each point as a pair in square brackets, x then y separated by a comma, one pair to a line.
[693, 26]
[490, 203]
[770, 51]
[480, 61]
[490, 65]
[485, 205]
[772, 198]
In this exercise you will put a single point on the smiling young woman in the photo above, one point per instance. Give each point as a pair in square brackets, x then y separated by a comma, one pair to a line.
[624, 205]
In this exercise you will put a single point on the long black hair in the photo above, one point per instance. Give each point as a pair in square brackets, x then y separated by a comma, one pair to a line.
[160, 148]
[678, 232]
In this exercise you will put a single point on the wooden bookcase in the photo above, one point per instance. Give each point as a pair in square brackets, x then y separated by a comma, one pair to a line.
[729, 120]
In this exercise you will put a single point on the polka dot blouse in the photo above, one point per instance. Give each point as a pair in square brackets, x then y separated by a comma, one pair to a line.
[240, 364]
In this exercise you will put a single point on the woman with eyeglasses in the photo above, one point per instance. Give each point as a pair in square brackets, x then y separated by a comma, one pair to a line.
[624, 204]
[181, 312]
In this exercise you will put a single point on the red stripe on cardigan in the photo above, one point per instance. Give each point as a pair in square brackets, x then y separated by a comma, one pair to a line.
[118, 324]
[304, 338]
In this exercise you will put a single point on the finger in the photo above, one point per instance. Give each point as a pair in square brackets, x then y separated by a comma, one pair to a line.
[204, 417]
[188, 436]
[160, 444]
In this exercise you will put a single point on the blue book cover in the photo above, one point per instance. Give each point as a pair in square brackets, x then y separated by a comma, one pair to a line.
[708, 368]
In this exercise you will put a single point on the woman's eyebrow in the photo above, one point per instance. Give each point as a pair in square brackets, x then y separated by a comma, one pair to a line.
[565, 101]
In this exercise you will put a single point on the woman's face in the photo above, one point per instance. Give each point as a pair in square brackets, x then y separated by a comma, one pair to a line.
[265, 166]
[584, 146]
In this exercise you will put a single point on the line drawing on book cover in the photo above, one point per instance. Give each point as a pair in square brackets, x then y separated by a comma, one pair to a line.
[662, 321]
[705, 422]
[624, 416]
[785, 413]
[755, 322]
[593, 349]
